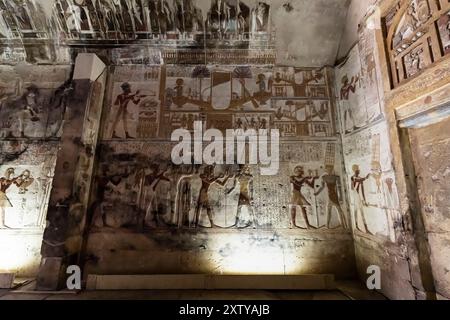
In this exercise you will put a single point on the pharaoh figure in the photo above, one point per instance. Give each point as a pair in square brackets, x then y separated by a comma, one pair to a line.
[82, 15]
[119, 11]
[183, 196]
[6, 182]
[219, 17]
[20, 10]
[149, 198]
[203, 203]
[137, 14]
[187, 17]
[73, 17]
[260, 18]
[298, 181]
[417, 13]
[347, 89]
[161, 16]
[94, 12]
[58, 105]
[60, 20]
[123, 100]
[29, 108]
[108, 181]
[359, 197]
[126, 16]
[331, 181]
[423, 11]
[245, 180]
[414, 62]
[4, 27]
[108, 16]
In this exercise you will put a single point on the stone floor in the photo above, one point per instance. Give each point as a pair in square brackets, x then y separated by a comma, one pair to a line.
[347, 290]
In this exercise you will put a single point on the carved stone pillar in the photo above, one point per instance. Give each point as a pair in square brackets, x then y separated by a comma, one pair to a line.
[67, 210]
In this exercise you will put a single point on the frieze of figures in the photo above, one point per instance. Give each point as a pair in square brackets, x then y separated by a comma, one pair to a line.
[294, 101]
[30, 112]
[162, 20]
[138, 187]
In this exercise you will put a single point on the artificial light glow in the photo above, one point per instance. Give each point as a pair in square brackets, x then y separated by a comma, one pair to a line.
[20, 251]
[257, 261]
[251, 253]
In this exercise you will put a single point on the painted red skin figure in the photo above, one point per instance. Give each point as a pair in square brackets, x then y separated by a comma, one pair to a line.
[347, 88]
[360, 197]
[123, 101]
[5, 183]
[298, 181]
[208, 179]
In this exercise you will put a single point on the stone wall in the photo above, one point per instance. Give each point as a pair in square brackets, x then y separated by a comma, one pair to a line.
[32, 107]
[370, 176]
[216, 64]
[431, 148]
[88, 157]
[145, 206]
[399, 236]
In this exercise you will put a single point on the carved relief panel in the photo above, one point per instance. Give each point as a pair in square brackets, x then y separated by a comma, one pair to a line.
[159, 99]
[26, 173]
[417, 35]
[183, 20]
[371, 183]
[140, 188]
[33, 101]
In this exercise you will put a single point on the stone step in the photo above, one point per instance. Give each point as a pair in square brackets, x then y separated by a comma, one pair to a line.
[211, 282]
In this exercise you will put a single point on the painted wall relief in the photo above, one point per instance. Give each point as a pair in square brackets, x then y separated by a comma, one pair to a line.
[134, 107]
[138, 188]
[25, 183]
[371, 183]
[161, 100]
[417, 36]
[19, 18]
[357, 88]
[190, 24]
[189, 20]
[32, 109]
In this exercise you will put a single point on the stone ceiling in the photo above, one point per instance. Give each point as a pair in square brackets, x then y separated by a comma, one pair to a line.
[310, 33]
